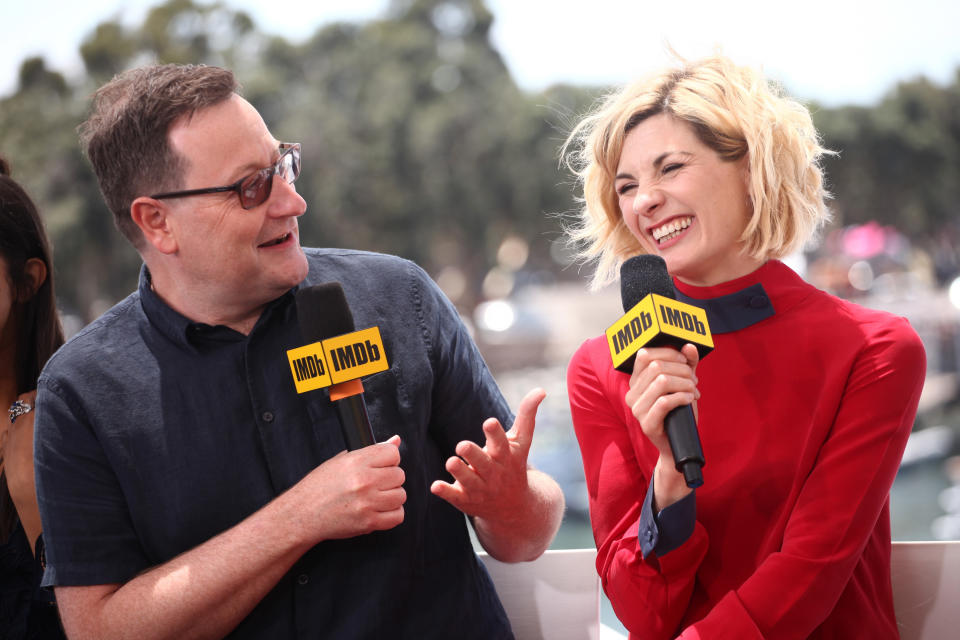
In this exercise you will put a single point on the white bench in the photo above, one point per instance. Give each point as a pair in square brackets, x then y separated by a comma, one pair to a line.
[926, 589]
[557, 596]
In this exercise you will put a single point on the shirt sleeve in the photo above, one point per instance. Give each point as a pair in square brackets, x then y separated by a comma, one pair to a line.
[464, 391]
[649, 593]
[88, 534]
[792, 591]
[663, 532]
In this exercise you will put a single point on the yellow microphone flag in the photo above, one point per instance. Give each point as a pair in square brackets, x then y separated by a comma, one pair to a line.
[339, 359]
[657, 321]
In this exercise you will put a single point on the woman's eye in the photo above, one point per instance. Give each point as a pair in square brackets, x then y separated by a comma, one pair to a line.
[624, 188]
[672, 167]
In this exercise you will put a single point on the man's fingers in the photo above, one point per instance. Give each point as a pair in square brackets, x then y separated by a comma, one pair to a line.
[477, 457]
[383, 454]
[390, 500]
[390, 478]
[497, 444]
[448, 492]
[463, 474]
[522, 430]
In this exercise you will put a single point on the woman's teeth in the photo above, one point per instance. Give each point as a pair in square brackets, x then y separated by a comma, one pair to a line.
[671, 230]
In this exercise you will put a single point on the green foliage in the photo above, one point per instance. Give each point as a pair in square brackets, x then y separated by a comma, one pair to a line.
[899, 161]
[416, 141]
[92, 264]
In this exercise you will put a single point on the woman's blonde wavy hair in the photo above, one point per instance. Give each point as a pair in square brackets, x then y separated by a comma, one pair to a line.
[732, 110]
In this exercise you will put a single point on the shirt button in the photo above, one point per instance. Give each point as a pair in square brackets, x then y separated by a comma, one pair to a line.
[303, 579]
[759, 302]
[267, 416]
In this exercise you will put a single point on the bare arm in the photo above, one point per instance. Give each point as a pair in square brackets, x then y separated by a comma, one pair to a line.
[526, 533]
[207, 591]
[515, 510]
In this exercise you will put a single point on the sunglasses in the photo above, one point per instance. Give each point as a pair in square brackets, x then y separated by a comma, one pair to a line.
[254, 189]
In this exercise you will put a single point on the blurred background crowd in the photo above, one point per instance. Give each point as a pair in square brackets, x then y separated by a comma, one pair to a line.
[418, 141]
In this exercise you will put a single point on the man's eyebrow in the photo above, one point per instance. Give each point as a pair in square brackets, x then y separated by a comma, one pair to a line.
[247, 169]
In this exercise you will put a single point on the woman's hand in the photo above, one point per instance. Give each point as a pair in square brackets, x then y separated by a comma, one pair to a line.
[18, 466]
[662, 380]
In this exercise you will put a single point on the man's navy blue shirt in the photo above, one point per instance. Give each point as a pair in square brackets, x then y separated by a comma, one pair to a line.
[155, 434]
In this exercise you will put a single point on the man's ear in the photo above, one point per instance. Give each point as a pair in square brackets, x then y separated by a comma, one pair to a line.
[36, 271]
[151, 216]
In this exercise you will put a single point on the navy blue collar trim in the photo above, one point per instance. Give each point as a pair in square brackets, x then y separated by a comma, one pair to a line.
[734, 311]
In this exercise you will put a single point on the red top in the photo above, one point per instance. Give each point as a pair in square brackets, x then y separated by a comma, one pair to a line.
[803, 418]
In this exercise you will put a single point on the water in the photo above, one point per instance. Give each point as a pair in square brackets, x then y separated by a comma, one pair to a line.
[914, 501]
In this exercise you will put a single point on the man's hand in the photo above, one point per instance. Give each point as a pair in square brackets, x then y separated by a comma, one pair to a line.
[515, 510]
[354, 493]
[492, 481]
[206, 592]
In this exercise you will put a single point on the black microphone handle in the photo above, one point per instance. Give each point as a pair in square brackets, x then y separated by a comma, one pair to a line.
[681, 427]
[640, 276]
[352, 412]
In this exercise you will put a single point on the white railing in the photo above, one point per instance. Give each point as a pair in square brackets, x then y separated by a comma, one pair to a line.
[557, 596]
[926, 589]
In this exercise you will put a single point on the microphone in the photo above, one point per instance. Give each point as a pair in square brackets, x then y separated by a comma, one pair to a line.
[323, 313]
[653, 317]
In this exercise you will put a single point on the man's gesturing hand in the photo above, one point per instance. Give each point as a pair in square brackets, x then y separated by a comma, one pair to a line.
[491, 482]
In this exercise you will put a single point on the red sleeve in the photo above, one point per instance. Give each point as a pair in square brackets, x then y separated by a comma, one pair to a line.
[794, 590]
[649, 595]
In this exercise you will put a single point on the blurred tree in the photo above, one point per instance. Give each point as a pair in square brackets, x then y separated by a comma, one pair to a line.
[37, 134]
[107, 51]
[179, 31]
[35, 77]
[95, 265]
[415, 136]
[899, 162]
[418, 142]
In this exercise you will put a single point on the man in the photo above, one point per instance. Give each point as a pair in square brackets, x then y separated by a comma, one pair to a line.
[186, 489]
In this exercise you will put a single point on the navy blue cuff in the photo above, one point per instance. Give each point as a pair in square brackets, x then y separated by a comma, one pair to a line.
[667, 530]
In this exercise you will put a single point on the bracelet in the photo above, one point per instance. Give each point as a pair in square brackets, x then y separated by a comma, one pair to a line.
[19, 408]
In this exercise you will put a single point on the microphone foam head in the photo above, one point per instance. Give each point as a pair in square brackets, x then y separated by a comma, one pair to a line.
[642, 275]
[323, 312]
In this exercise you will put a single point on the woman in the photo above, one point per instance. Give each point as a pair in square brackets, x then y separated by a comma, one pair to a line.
[807, 400]
[30, 332]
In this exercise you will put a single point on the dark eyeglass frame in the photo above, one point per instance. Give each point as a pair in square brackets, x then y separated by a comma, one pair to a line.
[254, 189]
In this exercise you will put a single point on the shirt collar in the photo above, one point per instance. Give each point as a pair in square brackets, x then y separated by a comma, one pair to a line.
[741, 302]
[734, 311]
[182, 330]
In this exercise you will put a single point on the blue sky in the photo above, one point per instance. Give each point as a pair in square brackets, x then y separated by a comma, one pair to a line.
[833, 51]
